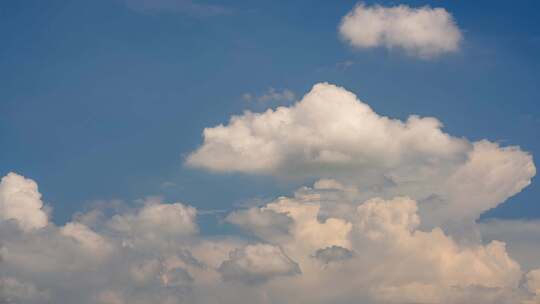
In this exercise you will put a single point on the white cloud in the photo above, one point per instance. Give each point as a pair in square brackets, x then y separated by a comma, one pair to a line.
[389, 219]
[375, 253]
[261, 222]
[331, 135]
[329, 130]
[425, 32]
[399, 263]
[156, 221]
[88, 239]
[20, 200]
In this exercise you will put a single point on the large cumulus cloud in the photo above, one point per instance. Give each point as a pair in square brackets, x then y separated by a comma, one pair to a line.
[377, 254]
[331, 134]
[388, 220]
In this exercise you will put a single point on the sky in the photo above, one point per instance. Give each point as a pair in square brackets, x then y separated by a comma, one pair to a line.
[132, 122]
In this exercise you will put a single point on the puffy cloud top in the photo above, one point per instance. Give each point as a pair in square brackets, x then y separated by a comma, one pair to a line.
[329, 130]
[378, 217]
[424, 32]
[20, 200]
[331, 135]
[156, 219]
[375, 253]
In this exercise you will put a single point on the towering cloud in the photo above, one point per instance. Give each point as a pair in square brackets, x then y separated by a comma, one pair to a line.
[20, 200]
[330, 134]
[424, 32]
[387, 221]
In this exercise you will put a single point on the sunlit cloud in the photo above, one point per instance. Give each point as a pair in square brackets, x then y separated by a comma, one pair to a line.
[423, 32]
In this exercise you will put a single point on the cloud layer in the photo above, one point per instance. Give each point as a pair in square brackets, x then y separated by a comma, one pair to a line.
[424, 32]
[391, 218]
[154, 254]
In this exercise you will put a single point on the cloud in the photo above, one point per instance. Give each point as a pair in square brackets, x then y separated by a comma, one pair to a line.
[156, 220]
[330, 134]
[390, 218]
[257, 263]
[533, 281]
[307, 138]
[391, 253]
[521, 236]
[333, 254]
[423, 32]
[261, 222]
[374, 253]
[12, 290]
[271, 96]
[177, 6]
[20, 200]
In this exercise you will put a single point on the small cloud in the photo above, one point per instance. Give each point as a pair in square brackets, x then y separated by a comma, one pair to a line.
[423, 32]
[271, 95]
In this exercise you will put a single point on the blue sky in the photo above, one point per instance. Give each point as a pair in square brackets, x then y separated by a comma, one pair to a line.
[103, 101]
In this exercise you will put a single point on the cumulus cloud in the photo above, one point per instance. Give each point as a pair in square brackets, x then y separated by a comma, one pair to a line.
[261, 222]
[375, 253]
[389, 219]
[257, 263]
[391, 253]
[521, 236]
[157, 220]
[20, 200]
[533, 281]
[331, 135]
[425, 32]
[329, 130]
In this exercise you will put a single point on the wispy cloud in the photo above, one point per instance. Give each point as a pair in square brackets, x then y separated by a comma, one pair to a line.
[344, 65]
[271, 96]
